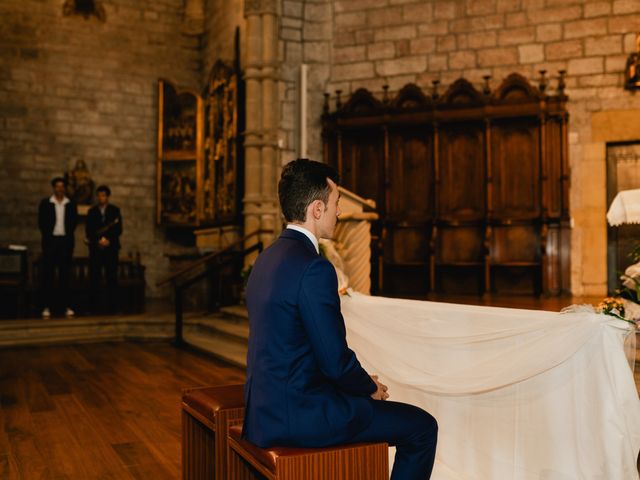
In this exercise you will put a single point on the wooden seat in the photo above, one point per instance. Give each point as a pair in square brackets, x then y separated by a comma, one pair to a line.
[207, 413]
[363, 461]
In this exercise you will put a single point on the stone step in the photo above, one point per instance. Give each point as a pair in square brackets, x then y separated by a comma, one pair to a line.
[37, 332]
[219, 346]
[224, 335]
[233, 327]
[239, 311]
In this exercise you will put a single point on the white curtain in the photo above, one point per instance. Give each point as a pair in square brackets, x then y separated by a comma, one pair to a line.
[518, 394]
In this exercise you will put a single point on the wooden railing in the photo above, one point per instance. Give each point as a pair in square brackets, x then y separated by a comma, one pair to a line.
[209, 266]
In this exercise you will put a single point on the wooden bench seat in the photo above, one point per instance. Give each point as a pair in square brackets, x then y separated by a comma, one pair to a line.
[207, 413]
[365, 461]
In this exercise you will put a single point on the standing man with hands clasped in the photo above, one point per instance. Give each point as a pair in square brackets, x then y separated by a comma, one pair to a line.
[305, 387]
[103, 230]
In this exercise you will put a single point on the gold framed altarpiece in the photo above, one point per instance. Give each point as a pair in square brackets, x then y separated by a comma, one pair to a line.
[199, 167]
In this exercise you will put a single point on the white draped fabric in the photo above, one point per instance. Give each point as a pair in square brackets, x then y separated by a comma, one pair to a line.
[518, 394]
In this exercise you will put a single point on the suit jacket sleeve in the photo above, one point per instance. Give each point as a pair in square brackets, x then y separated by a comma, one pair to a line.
[320, 311]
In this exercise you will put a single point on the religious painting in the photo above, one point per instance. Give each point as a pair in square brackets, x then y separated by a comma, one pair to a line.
[179, 156]
[199, 168]
[221, 144]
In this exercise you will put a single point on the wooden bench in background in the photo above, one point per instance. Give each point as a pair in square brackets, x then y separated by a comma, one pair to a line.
[365, 461]
[14, 275]
[27, 283]
[206, 415]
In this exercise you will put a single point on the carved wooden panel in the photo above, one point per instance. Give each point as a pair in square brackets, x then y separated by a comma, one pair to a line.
[410, 173]
[515, 163]
[460, 245]
[362, 159]
[553, 167]
[461, 192]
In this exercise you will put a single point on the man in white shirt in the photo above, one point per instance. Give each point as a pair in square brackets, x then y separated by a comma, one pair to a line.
[57, 220]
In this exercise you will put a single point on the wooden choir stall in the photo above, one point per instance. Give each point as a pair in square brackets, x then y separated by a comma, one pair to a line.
[471, 187]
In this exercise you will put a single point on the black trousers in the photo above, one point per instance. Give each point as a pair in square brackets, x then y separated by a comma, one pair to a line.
[57, 254]
[104, 260]
[411, 430]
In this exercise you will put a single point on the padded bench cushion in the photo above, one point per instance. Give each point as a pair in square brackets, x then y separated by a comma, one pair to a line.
[269, 456]
[207, 401]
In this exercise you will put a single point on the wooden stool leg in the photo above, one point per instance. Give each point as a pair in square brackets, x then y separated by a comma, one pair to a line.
[198, 452]
[239, 469]
[225, 419]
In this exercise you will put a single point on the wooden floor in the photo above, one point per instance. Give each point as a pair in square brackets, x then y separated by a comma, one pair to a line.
[97, 411]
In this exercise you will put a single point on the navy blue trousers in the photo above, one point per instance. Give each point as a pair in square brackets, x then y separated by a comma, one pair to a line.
[411, 430]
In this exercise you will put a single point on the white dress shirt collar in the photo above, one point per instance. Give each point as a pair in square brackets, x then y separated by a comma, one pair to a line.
[58, 228]
[53, 199]
[306, 232]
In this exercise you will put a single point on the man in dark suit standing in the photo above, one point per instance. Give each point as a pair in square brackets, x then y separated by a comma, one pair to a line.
[57, 220]
[304, 386]
[103, 230]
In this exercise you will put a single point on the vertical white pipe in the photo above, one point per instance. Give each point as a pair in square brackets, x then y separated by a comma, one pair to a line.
[303, 111]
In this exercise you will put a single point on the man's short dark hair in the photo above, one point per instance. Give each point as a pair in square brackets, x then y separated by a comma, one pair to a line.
[302, 182]
[55, 180]
[105, 189]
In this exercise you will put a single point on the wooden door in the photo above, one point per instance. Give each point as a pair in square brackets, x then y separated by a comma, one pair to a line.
[623, 173]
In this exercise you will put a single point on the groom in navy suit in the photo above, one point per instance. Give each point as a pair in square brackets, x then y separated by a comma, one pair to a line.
[305, 387]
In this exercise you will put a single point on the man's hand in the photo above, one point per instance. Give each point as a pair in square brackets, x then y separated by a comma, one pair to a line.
[104, 242]
[381, 392]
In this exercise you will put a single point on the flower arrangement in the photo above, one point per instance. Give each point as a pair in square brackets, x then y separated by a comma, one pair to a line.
[626, 304]
[612, 306]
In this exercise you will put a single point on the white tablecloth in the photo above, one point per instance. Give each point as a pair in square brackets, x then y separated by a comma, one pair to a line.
[518, 394]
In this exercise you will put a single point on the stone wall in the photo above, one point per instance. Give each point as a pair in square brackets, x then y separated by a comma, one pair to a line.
[75, 88]
[306, 34]
[221, 19]
[400, 41]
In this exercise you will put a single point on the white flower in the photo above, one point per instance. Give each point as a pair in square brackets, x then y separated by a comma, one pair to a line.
[632, 272]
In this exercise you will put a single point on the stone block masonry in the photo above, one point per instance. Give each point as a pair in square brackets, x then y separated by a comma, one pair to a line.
[74, 88]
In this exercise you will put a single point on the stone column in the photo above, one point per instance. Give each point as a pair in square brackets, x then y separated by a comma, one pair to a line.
[270, 116]
[261, 76]
[252, 134]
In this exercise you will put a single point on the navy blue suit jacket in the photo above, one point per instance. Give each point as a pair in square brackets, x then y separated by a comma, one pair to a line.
[304, 387]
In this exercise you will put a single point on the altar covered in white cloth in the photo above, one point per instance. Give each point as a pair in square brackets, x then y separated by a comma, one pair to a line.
[518, 394]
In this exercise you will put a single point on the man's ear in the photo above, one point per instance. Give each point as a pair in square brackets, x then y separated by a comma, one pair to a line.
[317, 207]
